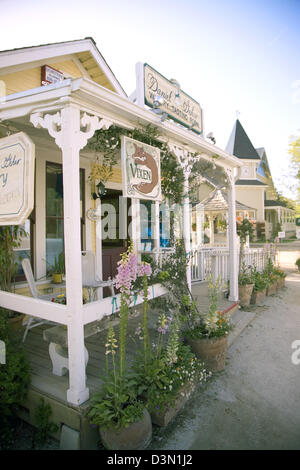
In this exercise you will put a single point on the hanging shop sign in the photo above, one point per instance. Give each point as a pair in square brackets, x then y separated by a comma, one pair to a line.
[17, 157]
[51, 75]
[140, 170]
[178, 105]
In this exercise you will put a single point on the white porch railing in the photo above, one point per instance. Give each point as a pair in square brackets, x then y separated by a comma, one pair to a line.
[215, 261]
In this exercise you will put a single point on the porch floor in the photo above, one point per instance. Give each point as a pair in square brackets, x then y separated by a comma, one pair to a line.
[45, 384]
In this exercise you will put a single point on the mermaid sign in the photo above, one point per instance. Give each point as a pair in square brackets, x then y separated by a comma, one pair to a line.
[140, 170]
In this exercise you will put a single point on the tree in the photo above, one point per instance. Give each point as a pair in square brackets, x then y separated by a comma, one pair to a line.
[294, 151]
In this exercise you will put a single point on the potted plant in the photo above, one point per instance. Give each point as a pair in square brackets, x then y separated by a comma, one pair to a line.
[260, 286]
[280, 277]
[207, 334]
[246, 285]
[298, 264]
[123, 420]
[168, 371]
[58, 268]
[272, 277]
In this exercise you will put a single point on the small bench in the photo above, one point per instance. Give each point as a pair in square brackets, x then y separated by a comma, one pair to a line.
[57, 337]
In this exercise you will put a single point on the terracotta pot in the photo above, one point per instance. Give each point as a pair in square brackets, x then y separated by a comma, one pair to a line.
[245, 293]
[136, 436]
[57, 278]
[280, 282]
[257, 297]
[212, 351]
[272, 289]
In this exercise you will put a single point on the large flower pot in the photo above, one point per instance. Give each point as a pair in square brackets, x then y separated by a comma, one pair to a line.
[212, 351]
[162, 417]
[245, 293]
[136, 436]
[257, 297]
[280, 282]
[272, 289]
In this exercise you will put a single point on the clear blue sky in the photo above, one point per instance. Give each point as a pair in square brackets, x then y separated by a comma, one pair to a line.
[228, 55]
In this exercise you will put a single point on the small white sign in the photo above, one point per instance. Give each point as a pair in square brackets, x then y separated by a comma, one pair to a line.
[281, 234]
[51, 75]
[17, 157]
[140, 170]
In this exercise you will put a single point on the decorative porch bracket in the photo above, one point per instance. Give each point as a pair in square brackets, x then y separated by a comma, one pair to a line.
[71, 130]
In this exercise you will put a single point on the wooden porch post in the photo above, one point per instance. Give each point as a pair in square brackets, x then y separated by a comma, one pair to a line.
[233, 249]
[65, 128]
[70, 145]
[136, 226]
[187, 226]
[156, 231]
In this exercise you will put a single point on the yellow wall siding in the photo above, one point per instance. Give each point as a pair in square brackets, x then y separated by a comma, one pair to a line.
[21, 81]
[27, 79]
[68, 67]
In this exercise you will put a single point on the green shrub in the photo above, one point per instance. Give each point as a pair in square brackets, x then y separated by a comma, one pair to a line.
[14, 380]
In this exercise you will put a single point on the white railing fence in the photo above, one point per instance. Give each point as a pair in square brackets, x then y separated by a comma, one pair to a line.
[215, 261]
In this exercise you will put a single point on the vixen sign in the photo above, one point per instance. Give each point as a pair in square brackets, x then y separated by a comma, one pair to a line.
[17, 156]
[140, 170]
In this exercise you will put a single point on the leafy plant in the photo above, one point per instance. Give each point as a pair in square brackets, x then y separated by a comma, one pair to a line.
[245, 277]
[14, 380]
[212, 324]
[44, 426]
[59, 264]
[298, 262]
[117, 405]
[260, 280]
[10, 238]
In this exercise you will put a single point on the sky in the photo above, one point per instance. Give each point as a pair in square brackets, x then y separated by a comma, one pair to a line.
[236, 58]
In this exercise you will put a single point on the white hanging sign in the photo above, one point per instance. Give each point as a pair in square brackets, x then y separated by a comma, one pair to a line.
[17, 157]
[140, 170]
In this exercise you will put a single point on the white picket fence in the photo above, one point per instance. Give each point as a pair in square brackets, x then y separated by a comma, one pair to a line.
[215, 261]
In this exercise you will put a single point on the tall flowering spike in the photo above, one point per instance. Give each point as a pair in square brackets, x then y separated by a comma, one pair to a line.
[111, 342]
[144, 269]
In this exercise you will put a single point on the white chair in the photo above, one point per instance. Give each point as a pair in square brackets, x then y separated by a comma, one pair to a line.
[32, 322]
[89, 279]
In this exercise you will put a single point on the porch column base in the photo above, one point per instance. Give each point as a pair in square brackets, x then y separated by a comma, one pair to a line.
[77, 397]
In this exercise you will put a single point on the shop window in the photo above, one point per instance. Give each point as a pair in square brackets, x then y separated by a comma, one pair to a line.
[55, 214]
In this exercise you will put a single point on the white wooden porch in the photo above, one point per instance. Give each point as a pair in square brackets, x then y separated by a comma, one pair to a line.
[46, 384]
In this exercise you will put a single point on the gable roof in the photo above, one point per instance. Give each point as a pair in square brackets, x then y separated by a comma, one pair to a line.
[84, 52]
[250, 183]
[240, 145]
[217, 200]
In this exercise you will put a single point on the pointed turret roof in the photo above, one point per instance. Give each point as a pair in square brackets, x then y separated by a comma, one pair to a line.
[240, 145]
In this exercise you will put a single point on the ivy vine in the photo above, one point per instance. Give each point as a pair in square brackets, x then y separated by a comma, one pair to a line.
[107, 144]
